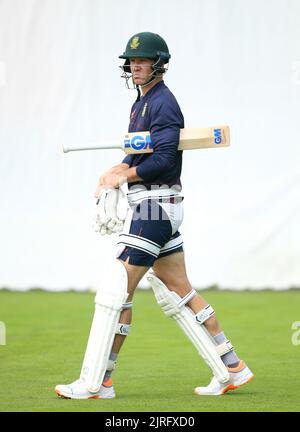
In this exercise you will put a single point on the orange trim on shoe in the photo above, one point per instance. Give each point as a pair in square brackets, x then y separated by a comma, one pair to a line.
[107, 383]
[229, 387]
[67, 397]
[61, 395]
[238, 368]
[233, 387]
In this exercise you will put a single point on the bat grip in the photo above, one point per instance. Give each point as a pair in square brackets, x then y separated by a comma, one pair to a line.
[93, 146]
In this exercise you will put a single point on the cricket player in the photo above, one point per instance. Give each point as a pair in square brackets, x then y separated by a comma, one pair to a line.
[150, 238]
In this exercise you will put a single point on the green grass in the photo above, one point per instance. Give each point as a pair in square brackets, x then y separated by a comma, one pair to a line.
[157, 368]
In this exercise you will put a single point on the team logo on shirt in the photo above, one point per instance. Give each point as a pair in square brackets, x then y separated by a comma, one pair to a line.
[144, 109]
[138, 142]
[135, 43]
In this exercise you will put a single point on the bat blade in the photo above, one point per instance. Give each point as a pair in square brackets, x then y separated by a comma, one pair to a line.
[140, 142]
[199, 138]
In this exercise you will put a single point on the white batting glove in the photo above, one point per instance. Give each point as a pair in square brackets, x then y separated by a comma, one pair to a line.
[106, 211]
[111, 210]
[122, 207]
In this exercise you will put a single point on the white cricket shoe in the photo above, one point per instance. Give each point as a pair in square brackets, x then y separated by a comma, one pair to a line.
[238, 376]
[78, 390]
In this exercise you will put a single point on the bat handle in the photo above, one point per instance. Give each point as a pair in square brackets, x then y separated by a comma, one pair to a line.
[94, 146]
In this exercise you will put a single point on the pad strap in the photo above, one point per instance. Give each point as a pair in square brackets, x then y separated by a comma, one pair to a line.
[204, 314]
[224, 348]
[123, 329]
[111, 365]
[187, 298]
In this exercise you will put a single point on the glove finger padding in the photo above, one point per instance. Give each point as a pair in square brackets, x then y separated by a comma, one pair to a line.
[119, 226]
[111, 202]
[106, 207]
[103, 230]
[111, 210]
[111, 224]
[122, 205]
[100, 208]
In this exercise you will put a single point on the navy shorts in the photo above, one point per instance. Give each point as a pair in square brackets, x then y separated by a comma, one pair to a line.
[150, 235]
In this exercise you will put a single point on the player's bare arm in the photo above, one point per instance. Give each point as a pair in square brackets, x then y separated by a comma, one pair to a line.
[114, 179]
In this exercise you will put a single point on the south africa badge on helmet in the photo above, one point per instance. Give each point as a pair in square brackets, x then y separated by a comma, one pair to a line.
[135, 42]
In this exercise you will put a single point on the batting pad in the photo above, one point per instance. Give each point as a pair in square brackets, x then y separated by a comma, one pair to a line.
[172, 305]
[108, 306]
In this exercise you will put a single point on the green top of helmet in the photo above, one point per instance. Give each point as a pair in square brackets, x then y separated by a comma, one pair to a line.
[147, 45]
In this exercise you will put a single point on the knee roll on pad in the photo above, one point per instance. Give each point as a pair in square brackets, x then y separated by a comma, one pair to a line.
[115, 295]
[168, 305]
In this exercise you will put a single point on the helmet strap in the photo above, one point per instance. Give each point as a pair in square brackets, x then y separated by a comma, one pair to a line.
[139, 93]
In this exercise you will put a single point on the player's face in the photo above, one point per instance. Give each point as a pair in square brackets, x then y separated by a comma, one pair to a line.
[141, 70]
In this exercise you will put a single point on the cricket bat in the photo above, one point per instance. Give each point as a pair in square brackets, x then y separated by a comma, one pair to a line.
[140, 142]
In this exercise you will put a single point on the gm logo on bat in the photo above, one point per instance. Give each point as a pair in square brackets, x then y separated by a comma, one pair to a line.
[218, 136]
[138, 142]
